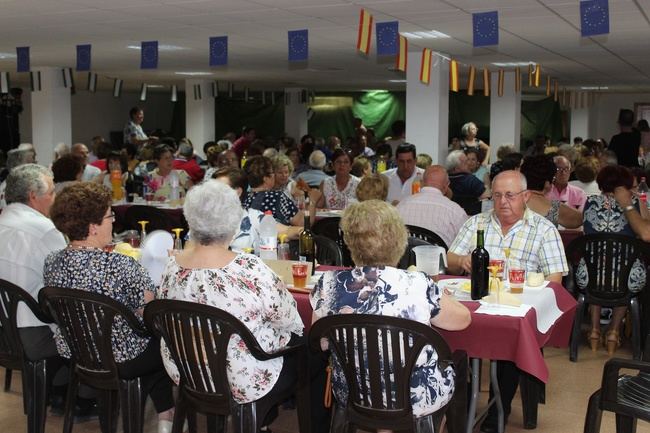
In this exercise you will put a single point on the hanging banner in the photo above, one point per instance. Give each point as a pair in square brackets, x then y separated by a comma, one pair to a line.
[365, 32]
[401, 62]
[425, 66]
[453, 76]
[471, 77]
[500, 82]
[486, 81]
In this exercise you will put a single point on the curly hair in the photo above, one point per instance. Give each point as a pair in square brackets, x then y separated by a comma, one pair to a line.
[359, 166]
[77, 207]
[257, 168]
[373, 187]
[538, 170]
[612, 176]
[67, 168]
[374, 232]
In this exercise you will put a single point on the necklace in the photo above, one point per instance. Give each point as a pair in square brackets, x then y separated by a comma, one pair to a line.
[83, 247]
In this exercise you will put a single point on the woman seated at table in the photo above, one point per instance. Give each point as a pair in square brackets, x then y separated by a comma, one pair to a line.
[602, 214]
[67, 170]
[283, 168]
[376, 236]
[115, 161]
[164, 178]
[210, 274]
[540, 171]
[373, 187]
[341, 189]
[261, 177]
[248, 233]
[82, 212]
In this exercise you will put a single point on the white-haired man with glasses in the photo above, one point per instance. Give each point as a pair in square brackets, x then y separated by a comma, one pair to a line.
[534, 242]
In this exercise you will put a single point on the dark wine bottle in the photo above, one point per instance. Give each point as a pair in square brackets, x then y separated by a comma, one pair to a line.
[306, 245]
[480, 262]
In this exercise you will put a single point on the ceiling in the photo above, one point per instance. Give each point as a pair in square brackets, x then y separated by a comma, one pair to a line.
[539, 31]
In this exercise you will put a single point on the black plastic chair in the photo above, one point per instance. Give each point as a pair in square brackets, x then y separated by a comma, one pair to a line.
[330, 228]
[470, 204]
[327, 251]
[609, 259]
[397, 339]
[426, 235]
[408, 258]
[86, 320]
[186, 326]
[12, 355]
[157, 218]
[626, 395]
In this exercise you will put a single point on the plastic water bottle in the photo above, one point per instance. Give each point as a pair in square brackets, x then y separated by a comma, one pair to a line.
[643, 192]
[268, 237]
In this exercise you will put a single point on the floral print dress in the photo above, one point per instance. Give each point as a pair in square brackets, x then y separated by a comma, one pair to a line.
[335, 199]
[390, 292]
[252, 292]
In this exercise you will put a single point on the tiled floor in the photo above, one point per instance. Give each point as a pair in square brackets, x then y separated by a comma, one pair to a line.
[568, 390]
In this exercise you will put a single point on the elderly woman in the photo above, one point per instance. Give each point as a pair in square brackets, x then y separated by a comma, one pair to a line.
[361, 167]
[470, 141]
[67, 169]
[376, 236]
[115, 161]
[603, 214]
[540, 171]
[341, 189]
[283, 168]
[242, 284]
[82, 212]
[259, 170]
[373, 187]
[163, 179]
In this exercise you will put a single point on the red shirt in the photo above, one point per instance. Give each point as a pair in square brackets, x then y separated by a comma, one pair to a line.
[100, 164]
[240, 146]
[190, 167]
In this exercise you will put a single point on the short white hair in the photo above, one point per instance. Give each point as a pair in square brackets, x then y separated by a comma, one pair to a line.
[453, 160]
[317, 159]
[522, 178]
[25, 179]
[213, 212]
[61, 149]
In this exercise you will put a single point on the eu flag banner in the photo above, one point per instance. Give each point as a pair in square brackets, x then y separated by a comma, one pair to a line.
[387, 38]
[486, 28]
[149, 55]
[298, 45]
[594, 17]
[22, 59]
[219, 51]
[83, 57]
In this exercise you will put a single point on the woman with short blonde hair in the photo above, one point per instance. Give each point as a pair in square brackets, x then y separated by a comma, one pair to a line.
[373, 187]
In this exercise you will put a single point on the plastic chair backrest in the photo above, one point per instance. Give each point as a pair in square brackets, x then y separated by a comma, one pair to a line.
[426, 235]
[328, 251]
[330, 228]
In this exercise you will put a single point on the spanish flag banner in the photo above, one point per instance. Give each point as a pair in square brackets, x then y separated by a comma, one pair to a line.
[486, 81]
[365, 32]
[538, 76]
[471, 76]
[548, 86]
[530, 75]
[425, 66]
[401, 61]
[453, 75]
[502, 75]
[517, 79]
[555, 89]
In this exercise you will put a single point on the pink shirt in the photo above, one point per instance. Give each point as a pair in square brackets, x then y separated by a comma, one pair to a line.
[571, 196]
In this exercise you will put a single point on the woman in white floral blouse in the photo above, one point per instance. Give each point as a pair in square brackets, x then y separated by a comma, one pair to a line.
[241, 284]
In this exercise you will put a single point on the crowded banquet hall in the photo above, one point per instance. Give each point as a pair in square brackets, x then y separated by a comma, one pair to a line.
[299, 216]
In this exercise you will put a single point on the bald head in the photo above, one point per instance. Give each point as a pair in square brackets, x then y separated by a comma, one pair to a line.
[80, 150]
[436, 176]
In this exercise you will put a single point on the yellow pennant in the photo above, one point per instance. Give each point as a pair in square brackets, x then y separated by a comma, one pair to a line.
[555, 88]
[538, 76]
[500, 83]
[530, 75]
[548, 85]
[402, 57]
[425, 66]
[470, 80]
[453, 76]
[486, 81]
[517, 79]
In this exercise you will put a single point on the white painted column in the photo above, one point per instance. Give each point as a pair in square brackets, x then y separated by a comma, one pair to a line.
[579, 123]
[295, 113]
[505, 114]
[427, 107]
[199, 114]
[51, 114]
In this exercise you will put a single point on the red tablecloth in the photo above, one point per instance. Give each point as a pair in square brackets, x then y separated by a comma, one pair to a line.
[498, 337]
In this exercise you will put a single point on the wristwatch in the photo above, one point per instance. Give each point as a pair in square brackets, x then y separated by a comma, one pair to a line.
[627, 208]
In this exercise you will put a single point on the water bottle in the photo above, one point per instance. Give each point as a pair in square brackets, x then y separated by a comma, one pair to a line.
[268, 237]
[174, 195]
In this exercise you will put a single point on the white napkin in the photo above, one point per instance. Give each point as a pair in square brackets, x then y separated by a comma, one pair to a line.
[154, 253]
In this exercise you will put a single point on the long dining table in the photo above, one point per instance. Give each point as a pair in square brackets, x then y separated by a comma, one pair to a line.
[497, 338]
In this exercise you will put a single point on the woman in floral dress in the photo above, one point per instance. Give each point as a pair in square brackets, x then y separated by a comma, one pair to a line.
[340, 189]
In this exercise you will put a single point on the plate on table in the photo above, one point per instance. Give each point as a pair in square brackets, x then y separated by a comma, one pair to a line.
[460, 287]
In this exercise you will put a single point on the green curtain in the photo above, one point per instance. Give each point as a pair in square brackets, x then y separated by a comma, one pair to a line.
[233, 115]
[464, 108]
[542, 117]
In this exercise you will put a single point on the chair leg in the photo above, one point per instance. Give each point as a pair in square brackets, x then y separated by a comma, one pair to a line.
[37, 389]
[216, 423]
[636, 328]
[575, 333]
[530, 388]
[594, 414]
[70, 400]
[457, 408]
[625, 424]
[424, 424]
[340, 423]
[131, 404]
[109, 411]
[8, 372]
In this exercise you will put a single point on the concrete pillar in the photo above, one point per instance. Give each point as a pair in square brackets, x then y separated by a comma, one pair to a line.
[295, 112]
[199, 114]
[505, 114]
[579, 123]
[427, 107]
[51, 114]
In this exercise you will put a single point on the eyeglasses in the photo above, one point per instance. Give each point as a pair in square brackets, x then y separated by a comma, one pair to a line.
[508, 195]
[111, 216]
[563, 169]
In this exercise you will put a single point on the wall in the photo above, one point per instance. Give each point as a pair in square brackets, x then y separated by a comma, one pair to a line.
[604, 113]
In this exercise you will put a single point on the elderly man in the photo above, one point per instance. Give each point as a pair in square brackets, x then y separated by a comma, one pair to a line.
[90, 172]
[561, 190]
[315, 175]
[417, 209]
[185, 161]
[15, 158]
[467, 189]
[534, 243]
[400, 179]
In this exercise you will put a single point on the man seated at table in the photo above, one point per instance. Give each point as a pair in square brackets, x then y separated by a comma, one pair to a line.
[562, 190]
[401, 178]
[534, 243]
[185, 161]
[467, 189]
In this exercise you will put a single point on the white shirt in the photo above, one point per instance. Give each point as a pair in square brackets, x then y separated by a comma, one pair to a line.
[431, 210]
[90, 172]
[397, 190]
[26, 238]
[590, 188]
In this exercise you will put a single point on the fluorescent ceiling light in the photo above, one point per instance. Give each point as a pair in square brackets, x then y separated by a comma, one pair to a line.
[397, 81]
[155, 86]
[431, 34]
[509, 64]
[193, 74]
[161, 47]
[7, 56]
[594, 88]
